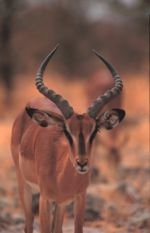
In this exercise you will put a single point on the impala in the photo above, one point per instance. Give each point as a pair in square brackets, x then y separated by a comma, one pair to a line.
[51, 148]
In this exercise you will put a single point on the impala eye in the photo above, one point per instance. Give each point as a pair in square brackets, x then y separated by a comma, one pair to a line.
[43, 123]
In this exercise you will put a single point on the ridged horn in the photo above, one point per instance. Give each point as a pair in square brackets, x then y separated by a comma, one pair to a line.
[60, 102]
[101, 101]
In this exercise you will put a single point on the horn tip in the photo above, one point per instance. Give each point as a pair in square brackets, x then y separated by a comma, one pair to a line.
[97, 54]
[57, 46]
[93, 50]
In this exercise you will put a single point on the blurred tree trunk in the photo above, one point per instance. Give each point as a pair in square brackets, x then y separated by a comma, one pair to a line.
[72, 5]
[6, 61]
[67, 3]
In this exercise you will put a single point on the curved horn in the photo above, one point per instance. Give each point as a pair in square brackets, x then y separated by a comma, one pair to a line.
[61, 103]
[101, 101]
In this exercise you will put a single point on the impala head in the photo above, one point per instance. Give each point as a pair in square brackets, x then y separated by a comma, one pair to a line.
[80, 130]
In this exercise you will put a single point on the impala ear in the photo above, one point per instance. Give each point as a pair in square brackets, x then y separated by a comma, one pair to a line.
[111, 119]
[45, 119]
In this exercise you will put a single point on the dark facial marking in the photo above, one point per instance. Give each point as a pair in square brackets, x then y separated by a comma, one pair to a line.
[93, 135]
[81, 148]
[68, 136]
[80, 117]
[81, 144]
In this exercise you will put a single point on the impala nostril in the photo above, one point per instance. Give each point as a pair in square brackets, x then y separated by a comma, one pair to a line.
[82, 164]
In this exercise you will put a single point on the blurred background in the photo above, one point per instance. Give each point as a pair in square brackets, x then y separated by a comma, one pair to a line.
[118, 29]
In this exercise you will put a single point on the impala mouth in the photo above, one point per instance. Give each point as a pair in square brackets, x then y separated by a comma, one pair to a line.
[82, 171]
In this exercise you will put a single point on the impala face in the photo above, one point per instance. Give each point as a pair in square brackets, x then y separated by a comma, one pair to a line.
[80, 136]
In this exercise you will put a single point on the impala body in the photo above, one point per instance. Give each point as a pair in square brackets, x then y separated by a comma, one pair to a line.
[52, 147]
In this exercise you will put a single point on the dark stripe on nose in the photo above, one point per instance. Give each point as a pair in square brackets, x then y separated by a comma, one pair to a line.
[82, 150]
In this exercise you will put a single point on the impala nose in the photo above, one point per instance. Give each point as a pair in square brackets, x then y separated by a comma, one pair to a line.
[82, 163]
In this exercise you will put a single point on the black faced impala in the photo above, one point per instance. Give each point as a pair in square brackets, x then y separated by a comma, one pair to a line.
[51, 148]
